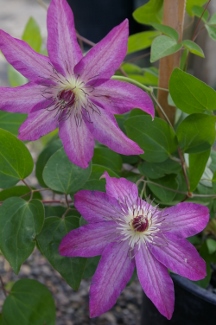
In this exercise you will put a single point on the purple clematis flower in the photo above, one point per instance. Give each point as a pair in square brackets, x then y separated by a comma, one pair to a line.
[127, 231]
[72, 91]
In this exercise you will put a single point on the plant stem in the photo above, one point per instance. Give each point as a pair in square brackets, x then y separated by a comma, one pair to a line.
[3, 288]
[132, 81]
[196, 32]
[173, 16]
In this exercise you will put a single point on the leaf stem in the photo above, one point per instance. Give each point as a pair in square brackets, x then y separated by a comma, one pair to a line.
[31, 191]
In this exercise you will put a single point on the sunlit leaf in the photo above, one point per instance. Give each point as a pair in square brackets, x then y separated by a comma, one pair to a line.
[193, 48]
[196, 133]
[163, 46]
[141, 41]
[149, 13]
[190, 94]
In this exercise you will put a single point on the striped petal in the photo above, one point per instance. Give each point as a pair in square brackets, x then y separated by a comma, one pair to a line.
[38, 124]
[96, 206]
[21, 99]
[63, 48]
[113, 273]
[24, 59]
[89, 240]
[180, 256]
[105, 129]
[105, 57]
[186, 219]
[155, 281]
[77, 141]
[120, 97]
[123, 190]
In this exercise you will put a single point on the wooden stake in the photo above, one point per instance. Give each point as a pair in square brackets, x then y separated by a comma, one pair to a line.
[173, 16]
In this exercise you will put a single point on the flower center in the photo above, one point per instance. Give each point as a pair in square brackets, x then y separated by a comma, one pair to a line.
[66, 99]
[140, 223]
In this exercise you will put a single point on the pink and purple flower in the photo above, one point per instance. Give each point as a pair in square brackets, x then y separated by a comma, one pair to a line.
[129, 232]
[71, 91]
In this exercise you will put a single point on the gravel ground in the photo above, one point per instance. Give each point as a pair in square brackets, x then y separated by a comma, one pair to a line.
[71, 306]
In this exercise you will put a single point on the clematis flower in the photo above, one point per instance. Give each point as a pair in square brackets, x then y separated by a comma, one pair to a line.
[71, 91]
[129, 232]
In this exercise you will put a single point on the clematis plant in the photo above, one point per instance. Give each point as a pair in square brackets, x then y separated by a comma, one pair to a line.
[114, 182]
[72, 91]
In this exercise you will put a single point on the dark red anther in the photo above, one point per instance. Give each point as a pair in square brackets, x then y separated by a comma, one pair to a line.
[67, 96]
[140, 223]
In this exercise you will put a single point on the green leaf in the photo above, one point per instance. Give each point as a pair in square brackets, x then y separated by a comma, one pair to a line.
[167, 30]
[146, 76]
[190, 94]
[94, 182]
[91, 265]
[11, 121]
[163, 46]
[199, 12]
[32, 35]
[108, 158]
[29, 302]
[141, 41]
[196, 133]
[16, 162]
[191, 3]
[15, 78]
[165, 190]
[49, 239]
[156, 137]
[19, 191]
[211, 244]
[44, 156]
[212, 20]
[20, 221]
[158, 170]
[61, 175]
[193, 48]
[149, 13]
[197, 164]
[56, 210]
[211, 31]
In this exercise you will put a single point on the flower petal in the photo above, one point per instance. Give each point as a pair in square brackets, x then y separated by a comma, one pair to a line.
[38, 124]
[186, 219]
[181, 257]
[155, 281]
[77, 141]
[120, 97]
[113, 272]
[20, 99]
[25, 60]
[105, 57]
[96, 206]
[105, 129]
[88, 240]
[121, 189]
[63, 48]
